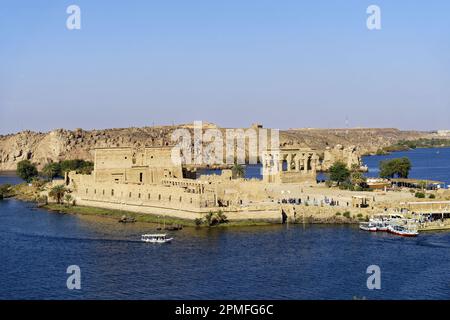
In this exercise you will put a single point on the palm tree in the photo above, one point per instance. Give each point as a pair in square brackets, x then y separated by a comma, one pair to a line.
[237, 170]
[57, 192]
[221, 217]
[68, 199]
[209, 218]
[357, 178]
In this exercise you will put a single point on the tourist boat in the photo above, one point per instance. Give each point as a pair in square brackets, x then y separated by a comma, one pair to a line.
[156, 238]
[384, 220]
[368, 226]
[381, 225]
[402, 231]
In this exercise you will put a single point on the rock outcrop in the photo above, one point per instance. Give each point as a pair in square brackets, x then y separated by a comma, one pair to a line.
[348, 155]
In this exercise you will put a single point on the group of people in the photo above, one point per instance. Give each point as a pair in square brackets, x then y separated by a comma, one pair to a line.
[314, 202]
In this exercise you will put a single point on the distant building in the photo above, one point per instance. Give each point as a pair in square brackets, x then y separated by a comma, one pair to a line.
[444, 133]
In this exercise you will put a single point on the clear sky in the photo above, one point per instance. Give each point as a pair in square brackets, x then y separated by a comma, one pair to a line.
[282, 63]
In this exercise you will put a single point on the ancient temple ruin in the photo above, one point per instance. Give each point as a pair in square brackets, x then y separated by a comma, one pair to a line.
[290, 165]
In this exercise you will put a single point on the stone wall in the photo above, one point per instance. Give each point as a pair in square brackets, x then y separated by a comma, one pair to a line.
[85, 189]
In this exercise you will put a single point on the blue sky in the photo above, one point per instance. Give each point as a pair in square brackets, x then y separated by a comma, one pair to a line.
[285, 64]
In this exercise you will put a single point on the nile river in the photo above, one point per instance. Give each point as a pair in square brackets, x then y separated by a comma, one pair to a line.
[275, 262]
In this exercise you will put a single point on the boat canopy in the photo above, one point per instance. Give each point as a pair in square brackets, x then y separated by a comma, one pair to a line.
[157, 235]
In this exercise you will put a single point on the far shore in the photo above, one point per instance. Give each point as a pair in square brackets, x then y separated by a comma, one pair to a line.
[395, 148]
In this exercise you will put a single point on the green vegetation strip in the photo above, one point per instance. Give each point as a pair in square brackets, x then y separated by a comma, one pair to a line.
[404, 145]
[143, 217]
[112, 213]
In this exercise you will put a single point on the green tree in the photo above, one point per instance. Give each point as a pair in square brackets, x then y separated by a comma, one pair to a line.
[52, 170]
[339, 172]
[238, 170]
[78, 165]
[68, 199]
[26, 170]
[398, 167]
[357, 178]
[58, 192]
[221, 217]
[209, 218]
[86, 167]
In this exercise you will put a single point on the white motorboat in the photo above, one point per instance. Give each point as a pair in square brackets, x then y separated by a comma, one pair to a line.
[381, 225]
[384, 220]
[402, 231]
[156, 238]
[368, 226]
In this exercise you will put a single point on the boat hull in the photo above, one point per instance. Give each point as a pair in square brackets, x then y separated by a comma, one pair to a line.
[370, 229]
[158, 241]
[403, 234]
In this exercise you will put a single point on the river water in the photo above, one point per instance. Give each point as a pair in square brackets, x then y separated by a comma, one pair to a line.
[431, 164]
[273, 262]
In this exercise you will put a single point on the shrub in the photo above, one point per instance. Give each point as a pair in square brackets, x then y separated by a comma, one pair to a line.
[4, 190]
[198, 221]
[432, 196]
[347, 214]
[346, 185]
[338, 213]
[221, 217]
[38, 183]
[216, 218]
[420, 195]
[42, 200]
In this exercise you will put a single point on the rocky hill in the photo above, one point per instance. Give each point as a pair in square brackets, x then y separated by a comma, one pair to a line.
[60, 144]
[368, 140]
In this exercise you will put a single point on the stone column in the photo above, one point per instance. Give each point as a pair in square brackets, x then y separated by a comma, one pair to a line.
[280, 163]
[305, 164]
[264, 163]
[289, 161]
[314, 163]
